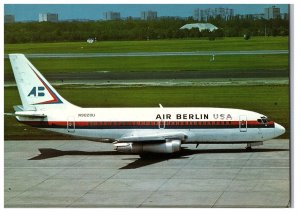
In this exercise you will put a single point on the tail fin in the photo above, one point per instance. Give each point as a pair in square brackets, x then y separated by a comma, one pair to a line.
[35, 91]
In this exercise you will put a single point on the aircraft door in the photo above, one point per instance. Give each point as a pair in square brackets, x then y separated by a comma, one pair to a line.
[71, 124]
[161, 124]
[243, 123]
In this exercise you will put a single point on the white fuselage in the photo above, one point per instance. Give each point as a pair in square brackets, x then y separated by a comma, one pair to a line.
[211, 125]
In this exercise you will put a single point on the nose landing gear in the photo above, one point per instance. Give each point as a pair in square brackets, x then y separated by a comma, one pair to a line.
[250, 145]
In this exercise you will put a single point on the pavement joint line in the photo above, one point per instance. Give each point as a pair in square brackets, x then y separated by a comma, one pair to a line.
[70, 205]
[29, 188]
[242, 168]
[51, 176]
[166, 180]
[72, 165]
[232, 180]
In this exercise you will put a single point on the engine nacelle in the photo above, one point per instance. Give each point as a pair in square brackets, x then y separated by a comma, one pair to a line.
[138, 148]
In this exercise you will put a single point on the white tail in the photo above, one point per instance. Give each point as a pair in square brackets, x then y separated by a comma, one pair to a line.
[35, 91]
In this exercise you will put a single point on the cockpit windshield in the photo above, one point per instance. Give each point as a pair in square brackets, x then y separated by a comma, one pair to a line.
[263, 120]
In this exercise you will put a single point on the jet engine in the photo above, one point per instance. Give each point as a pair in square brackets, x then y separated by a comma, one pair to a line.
[139, 148]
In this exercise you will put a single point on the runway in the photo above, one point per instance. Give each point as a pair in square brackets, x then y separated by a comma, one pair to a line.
[154, 54]
[78, 173]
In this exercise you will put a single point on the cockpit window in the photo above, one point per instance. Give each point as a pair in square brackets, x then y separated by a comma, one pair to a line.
[264, 119]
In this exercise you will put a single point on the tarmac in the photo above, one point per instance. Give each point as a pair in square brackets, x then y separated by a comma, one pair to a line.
[77, 173]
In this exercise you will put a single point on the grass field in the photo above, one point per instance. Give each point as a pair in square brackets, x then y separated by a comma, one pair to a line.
[236, 65]
[272, 101]
[271, 65]
[226, 44]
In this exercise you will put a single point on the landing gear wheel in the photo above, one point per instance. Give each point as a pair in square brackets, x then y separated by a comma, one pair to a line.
[249, 149]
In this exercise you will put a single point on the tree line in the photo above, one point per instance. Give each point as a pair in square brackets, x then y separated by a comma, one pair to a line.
[167, 28]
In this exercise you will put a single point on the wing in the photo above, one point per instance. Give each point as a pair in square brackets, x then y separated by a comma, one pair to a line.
[157, 143]
[153, 138]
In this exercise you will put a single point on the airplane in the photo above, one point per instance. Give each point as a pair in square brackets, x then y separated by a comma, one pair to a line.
[135, 130]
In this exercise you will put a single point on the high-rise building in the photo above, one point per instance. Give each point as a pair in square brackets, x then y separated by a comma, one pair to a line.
[251, 16]
[258, 16]
[205, 14]
[112, 15]
[148, 15]
[48, 17]
[272, 13]
[284, 16]
[9, 19]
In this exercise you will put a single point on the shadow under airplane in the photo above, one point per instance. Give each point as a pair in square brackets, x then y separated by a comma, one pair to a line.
[146, 160]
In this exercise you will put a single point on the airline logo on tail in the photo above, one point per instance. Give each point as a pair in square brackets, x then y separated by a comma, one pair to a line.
[39, 91]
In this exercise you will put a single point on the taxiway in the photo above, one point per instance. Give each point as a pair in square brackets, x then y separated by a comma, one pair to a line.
[87, 174]
[153, 54]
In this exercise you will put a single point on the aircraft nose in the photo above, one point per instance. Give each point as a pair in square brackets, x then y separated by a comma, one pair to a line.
[279, 130]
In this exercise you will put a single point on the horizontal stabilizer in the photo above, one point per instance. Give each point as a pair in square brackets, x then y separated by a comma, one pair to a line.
[18, 108]
[29, 114]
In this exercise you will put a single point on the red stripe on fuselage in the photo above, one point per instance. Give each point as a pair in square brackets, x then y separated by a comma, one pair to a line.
[78, 124]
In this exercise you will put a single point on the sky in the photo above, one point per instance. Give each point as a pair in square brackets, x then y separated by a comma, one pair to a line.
[27, 12]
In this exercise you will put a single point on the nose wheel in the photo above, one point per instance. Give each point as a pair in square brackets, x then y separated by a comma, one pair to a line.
[248, 148]
[250, 145]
